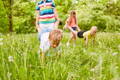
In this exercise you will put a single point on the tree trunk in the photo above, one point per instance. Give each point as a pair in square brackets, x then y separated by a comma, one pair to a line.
[10, 18]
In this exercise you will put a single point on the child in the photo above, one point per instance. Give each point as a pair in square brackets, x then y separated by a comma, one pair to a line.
[71, 24]
[91, 34]
[46, 16]
[50, 39]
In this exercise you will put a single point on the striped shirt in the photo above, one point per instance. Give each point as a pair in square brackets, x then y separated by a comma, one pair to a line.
[46, 11]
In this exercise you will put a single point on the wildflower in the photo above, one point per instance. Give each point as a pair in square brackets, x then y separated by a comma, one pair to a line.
[1, 39]
[75, 1]
[10, 59]
[8, 34]
[9, 74]
[116, 67]
[92, 70]
[84, 50]
[1, 43]
[115, 53]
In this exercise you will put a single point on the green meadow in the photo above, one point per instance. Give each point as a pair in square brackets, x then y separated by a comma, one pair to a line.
[20, 59]
[19, 46]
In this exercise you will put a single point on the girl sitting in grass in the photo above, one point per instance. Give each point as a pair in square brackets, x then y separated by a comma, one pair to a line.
[71, 24]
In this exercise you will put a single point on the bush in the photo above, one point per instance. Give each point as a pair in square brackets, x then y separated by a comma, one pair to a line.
[103, 13]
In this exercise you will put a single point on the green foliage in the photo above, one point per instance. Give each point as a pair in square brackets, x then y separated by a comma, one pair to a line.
[103, 13]
[63, 8]
[3, 19]
[19, 59]
[100, 14]
[24, 20]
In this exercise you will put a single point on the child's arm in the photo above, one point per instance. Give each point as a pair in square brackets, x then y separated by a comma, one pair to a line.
[37, 21]
[57, 18]
[78, 28]
[66, 24]
[86, 40]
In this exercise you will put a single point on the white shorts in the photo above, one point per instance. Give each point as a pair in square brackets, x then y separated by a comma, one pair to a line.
[45, 28]
[50, 25]
[44, 42]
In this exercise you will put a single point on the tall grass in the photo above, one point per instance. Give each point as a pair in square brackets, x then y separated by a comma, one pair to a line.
[19, 59]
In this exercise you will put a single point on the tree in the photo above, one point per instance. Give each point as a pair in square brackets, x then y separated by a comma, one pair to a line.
[8, 7]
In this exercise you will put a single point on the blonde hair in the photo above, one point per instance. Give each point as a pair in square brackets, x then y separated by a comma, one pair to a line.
[55, 37]
[94, 28]
[72, 15]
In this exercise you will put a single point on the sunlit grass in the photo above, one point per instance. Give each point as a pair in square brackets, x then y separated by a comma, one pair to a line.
[19, 59]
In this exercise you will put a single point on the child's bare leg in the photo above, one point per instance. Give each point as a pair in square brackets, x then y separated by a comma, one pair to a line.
[86, 42]
[73, 38]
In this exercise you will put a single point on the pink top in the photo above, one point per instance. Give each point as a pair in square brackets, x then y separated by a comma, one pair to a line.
[72, 23]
